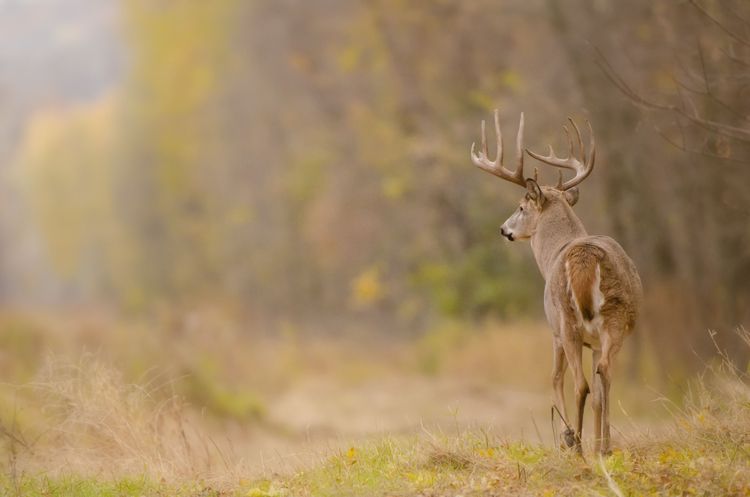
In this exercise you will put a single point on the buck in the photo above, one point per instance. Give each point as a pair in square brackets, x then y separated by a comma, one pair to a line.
[592, 290]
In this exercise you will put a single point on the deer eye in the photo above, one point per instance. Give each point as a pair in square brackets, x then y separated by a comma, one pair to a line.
[520, 208]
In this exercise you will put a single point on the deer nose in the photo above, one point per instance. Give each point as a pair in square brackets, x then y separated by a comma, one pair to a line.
[506, 234]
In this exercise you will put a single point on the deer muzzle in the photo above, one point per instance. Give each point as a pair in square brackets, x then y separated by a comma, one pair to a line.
[506, 233]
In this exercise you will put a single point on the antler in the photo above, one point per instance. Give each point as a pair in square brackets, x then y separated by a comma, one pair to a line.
[582, 165]
[496, 167]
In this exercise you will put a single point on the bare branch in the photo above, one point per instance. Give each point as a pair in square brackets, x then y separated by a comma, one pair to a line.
[736, 15]
[718, 23]
[683, 147]
[711, 96]
[703, 66]
[733, 57]
[726, 130]
[615, 78]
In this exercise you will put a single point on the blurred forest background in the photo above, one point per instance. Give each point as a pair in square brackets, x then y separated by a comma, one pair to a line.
[309, 159]
[302, 167]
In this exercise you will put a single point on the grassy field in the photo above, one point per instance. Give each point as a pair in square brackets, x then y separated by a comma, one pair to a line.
[705, 451]
[199, 409]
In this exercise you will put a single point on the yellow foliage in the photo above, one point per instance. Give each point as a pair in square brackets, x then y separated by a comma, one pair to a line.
[66, 173]
[351, 455]
[181, 57]
[482, 100]
[265, 490]
[349, 58]
[512, 80]
[486, 452]
[367, 288]
[395, 187]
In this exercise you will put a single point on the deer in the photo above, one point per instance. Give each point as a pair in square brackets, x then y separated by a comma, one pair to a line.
[592, 290]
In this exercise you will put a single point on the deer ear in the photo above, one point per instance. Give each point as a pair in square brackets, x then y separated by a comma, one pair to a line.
[571, 196]
[534, 192]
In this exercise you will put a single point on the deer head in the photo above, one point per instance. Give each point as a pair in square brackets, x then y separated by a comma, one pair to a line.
[538, 199]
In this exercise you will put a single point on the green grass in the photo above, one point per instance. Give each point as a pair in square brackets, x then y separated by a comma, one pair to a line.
[471, 465]
[77, 486]
[474, 465]
[80, 487]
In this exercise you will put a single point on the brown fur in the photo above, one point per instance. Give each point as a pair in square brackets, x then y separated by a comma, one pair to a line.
[568, 259]
[580, 264]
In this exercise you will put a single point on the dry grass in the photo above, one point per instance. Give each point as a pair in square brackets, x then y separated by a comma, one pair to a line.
[108, 423]
[90, 422]
[191, 399]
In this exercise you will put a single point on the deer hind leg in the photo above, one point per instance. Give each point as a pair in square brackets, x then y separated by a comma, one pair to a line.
[596, 400]
[604, 372]
[559, 366]
[573, 352]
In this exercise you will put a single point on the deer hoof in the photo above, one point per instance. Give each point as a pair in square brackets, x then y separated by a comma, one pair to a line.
[570, 438]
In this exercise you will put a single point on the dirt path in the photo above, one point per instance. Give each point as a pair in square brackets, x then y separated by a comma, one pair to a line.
[316, 416]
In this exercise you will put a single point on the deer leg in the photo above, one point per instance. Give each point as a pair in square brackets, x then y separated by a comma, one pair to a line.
[604, 371]
[559, 366]
[573, 352]
[596, 400]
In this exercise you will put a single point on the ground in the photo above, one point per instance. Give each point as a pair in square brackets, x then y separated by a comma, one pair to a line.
[449, 413]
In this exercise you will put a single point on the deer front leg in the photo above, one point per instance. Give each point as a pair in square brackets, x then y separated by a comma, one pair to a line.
[596, 400]
[573, 351]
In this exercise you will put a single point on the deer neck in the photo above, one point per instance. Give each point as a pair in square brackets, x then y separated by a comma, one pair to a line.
[557, 226]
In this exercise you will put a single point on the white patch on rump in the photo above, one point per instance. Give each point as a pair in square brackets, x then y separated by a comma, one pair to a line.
[592, 327]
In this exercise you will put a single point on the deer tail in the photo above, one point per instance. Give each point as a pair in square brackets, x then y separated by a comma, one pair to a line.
[584, 278]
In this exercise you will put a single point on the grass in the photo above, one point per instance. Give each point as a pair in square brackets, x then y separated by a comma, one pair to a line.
[705, 451]
[106, 423]
[706, 459]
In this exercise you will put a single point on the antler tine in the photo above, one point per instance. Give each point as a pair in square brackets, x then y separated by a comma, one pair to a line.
[592, 145]
[582, 165]
[519, 150]
[495, 167]
[571, 152]
[484, 141]
[499, 136]
[581, 150]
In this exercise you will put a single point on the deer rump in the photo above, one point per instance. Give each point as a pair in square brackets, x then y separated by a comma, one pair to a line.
[595, 283]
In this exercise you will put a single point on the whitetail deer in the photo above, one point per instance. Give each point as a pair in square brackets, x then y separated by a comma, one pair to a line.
[592, 290]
